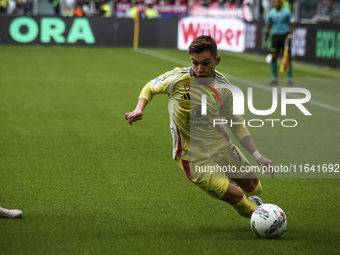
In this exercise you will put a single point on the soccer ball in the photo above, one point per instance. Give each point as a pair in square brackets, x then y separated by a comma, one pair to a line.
[268, 221]
[269, 58]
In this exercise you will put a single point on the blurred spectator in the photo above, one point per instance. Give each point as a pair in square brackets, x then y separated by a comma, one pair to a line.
[3, 7]
[125, 1]
[326, 7]
[324, 12]
[238, 4]
[286, 4]
[11, 6]
[150, 12]
[105, 9]
[56, 7]
[238, 9]
[86, 7]
[133, 12]
[78, 11]
[222, 3]
[28, 7]
[67, 12]
[206, 3]
[336, 13]
[20, 9]
[229, 4]
[69, 4]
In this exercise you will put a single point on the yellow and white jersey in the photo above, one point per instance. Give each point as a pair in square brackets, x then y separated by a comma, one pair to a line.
[195, 136]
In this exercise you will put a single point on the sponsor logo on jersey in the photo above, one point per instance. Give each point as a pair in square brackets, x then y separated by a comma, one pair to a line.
[186, 96]
[157, 80]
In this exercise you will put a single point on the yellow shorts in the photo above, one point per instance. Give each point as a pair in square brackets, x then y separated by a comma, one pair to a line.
[213, 174]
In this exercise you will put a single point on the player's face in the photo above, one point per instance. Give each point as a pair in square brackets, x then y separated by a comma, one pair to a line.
[204, 64]
[277, 4]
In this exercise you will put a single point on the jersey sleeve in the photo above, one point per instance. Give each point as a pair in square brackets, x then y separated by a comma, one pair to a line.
[160, 85]
[146, 93]
[269, 19]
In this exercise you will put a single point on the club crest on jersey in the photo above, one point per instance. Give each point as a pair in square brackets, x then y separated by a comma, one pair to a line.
[186, 87]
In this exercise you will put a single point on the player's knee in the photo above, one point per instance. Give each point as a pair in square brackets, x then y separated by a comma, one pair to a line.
[274, 57]
[233, 195]
[215, 187]
[256, 191]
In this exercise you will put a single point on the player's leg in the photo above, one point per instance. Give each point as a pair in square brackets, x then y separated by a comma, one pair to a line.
[274, 52]
[245, 184]
[12, 214]
[223, 189]
[290, 71]
[250, 184]
[218, 185]
[239, 201]
[244, 177]
[214, 184]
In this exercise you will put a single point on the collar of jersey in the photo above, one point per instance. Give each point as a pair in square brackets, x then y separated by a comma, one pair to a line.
[207, 86]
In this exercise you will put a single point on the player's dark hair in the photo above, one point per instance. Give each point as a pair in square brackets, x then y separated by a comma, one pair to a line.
[203, 43]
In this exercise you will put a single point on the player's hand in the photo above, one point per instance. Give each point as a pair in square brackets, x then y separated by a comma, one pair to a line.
[287, 41]
[134, 116]
[265, 44]
[266, 164]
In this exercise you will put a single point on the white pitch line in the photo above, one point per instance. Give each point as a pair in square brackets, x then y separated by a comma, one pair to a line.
[163, 57]
[67, 80]
[251, 83]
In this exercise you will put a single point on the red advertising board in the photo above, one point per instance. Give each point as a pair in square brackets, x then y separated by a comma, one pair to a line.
[229, 34]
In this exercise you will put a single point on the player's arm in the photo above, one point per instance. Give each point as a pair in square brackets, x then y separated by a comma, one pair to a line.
[243, 136]
[269, 23]
[158, 85]
[291, 22]
[137, 114]
[248, 143]
[289, 36]
[266, 35]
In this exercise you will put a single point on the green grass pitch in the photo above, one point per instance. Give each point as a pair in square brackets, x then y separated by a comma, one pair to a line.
[88, 183]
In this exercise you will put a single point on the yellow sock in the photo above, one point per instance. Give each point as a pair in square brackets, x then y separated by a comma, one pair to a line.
[256, 191]
[245, 208]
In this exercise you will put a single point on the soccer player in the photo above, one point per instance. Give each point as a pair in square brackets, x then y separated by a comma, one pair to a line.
[12, 214]
[279, 23]
[199, 145]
